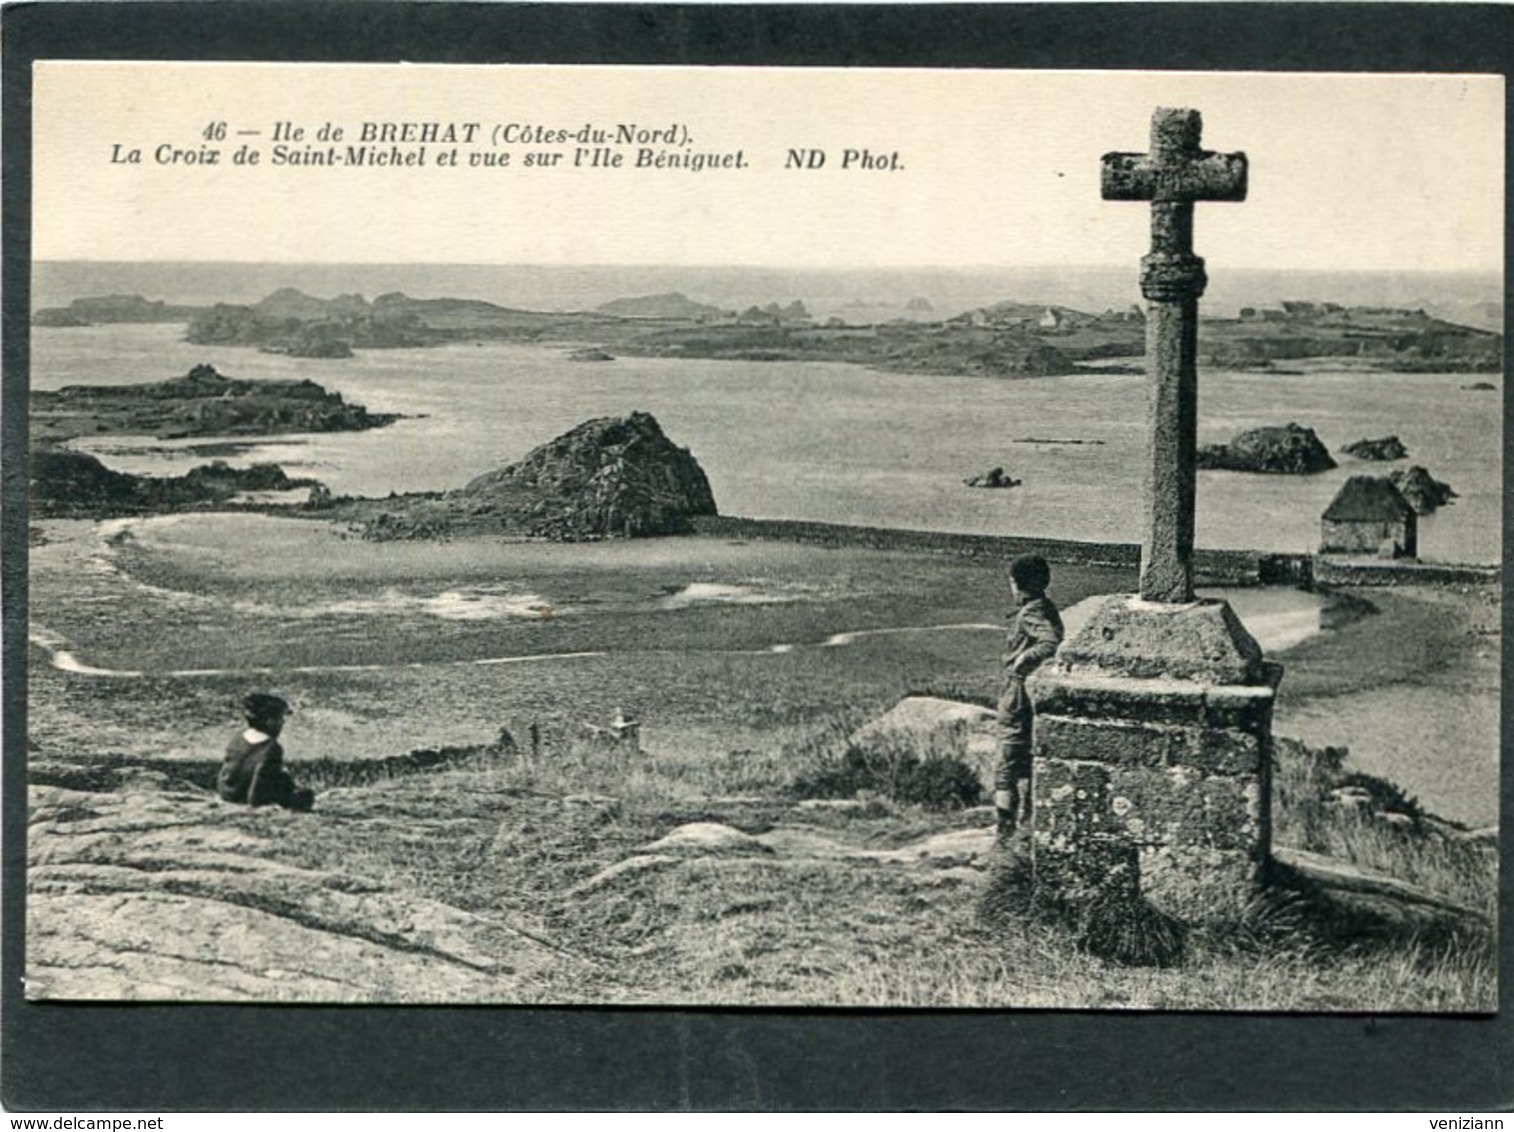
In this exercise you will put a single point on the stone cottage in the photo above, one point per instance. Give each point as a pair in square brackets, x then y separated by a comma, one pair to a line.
[1369, 516]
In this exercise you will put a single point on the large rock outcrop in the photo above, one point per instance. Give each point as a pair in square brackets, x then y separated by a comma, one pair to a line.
[967, 731]
[610, 477]
[673, 304]
[1287, 449]
[292, 322]
[1424, 492]
[300, 325]
[113, 308]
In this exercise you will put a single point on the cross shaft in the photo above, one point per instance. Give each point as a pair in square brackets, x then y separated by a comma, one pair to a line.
[1176, 173]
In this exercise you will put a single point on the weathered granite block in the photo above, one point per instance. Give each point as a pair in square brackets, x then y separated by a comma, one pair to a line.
[1177, 703]
[1228, 752]
[1109, 741]
[1197, 640]
[1180, 806]
[1181, 766]
[1247, 707]
[1071, 800]
[1092, 697]
[1217, 729]
[1212, 751]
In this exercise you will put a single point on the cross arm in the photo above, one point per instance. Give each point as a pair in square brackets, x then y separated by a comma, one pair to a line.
[1198, 175]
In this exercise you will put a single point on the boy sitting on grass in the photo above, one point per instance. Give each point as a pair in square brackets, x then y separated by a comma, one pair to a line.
[1033, 640]
[253, 771]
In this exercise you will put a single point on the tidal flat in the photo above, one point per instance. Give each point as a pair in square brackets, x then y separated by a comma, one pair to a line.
[435, 643]
[147, 631]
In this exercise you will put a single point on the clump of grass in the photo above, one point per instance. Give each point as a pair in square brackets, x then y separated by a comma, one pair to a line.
[1127, 929]
[1275, 920]
[1117, 924]
[894, 767]
[937, 783]
[1009, 894]
[327, 773]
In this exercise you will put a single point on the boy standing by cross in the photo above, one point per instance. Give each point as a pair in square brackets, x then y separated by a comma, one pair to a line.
[1033, 640]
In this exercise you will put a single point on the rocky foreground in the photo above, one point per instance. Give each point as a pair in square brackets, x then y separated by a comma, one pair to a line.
[158, 890]
[489, 879]
[155, 889]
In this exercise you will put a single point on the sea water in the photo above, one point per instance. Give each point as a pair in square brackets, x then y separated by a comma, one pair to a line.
[836, 442]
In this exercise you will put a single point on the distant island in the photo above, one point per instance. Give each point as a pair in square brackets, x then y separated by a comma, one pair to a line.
[203, 402]
[1007, 339]
[113, 308]
[75, 485]
[673, 304]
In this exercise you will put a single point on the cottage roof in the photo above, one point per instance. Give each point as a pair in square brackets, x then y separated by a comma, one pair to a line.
[1367, 499]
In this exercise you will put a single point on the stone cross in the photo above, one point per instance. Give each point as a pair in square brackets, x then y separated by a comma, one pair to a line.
[1172, 176]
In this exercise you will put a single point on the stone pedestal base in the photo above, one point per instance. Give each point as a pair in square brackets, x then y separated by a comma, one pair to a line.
[1154, 732]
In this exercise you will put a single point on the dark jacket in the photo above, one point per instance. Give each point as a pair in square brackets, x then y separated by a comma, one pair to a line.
[253, 773]
[1033, 637]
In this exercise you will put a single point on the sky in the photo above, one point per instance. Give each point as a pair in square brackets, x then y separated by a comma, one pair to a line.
[993, 168]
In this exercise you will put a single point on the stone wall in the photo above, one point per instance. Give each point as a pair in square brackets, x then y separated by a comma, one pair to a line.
[1332, 571]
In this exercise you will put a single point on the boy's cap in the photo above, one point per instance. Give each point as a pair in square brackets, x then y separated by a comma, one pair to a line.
[1030, 572]
[260, 705]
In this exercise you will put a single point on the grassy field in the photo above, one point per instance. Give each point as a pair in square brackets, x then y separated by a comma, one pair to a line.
[560, 846]
[728, 651]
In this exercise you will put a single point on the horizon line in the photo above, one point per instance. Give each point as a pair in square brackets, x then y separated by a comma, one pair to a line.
[831, 268]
